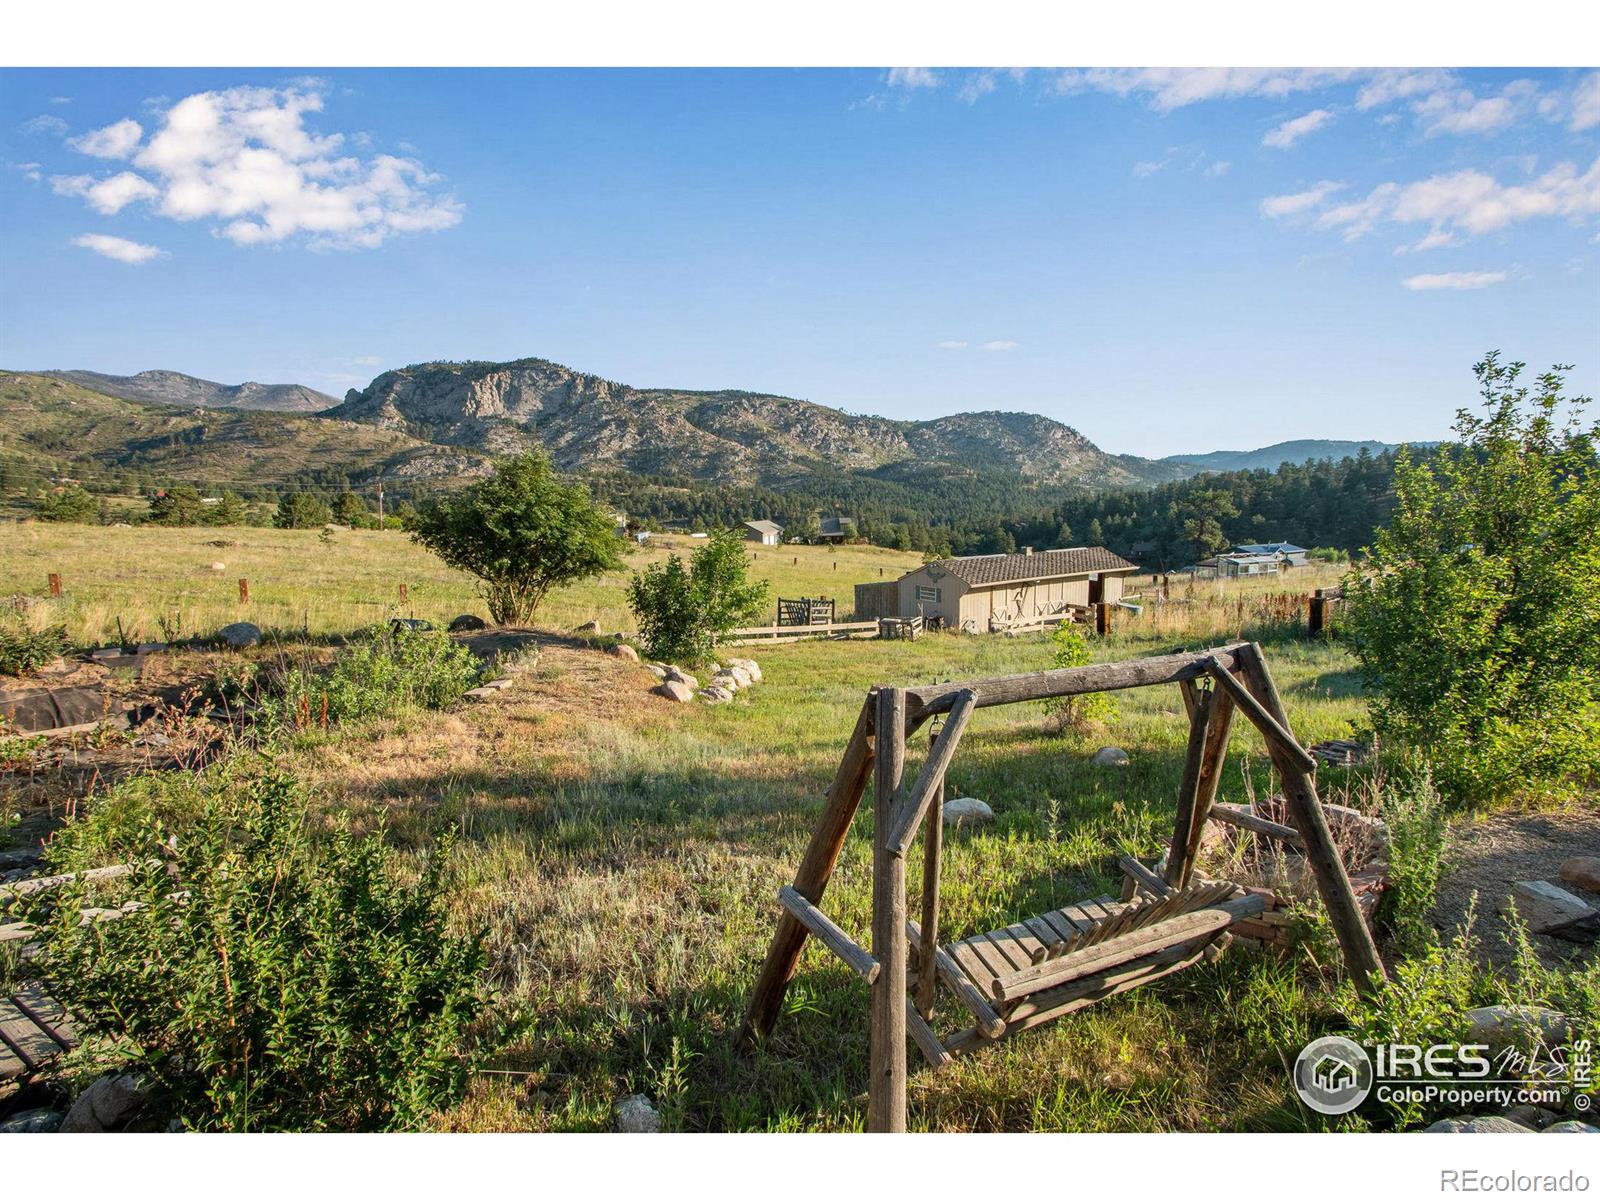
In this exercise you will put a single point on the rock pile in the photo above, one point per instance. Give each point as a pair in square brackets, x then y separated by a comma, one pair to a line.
[724, 683]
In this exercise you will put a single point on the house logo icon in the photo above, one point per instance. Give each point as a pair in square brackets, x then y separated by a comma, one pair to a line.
[1333, 1075]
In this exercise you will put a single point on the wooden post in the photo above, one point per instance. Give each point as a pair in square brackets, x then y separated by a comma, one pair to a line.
[932, 851]
[1102, 619]
[404, 593]
[1305, 812]
[1317, 617]
[55, 584]
[886, 1088]
[244, 591]
[811, 878]
[1189, 786]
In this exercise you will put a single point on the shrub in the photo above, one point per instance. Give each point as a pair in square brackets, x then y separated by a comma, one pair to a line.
[521, 532]
[382, 669]
[269, 981]
[178, 505]
[27, 645]
[1418, 847]
[1474, 615]
[1070, 648]
[682, 609]
[69, 503]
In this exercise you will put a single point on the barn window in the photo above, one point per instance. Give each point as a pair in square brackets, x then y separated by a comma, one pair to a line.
[929, 595]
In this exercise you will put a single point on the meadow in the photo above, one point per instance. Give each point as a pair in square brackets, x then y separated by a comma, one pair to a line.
[624, 853]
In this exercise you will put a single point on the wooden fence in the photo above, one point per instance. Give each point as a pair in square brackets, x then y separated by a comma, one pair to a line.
[773, 635]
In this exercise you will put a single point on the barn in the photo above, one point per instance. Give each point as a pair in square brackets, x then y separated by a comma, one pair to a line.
[768, 533]
[987, 591]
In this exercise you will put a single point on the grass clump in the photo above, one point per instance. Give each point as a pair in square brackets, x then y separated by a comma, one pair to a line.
[267, 980]
[26, 644]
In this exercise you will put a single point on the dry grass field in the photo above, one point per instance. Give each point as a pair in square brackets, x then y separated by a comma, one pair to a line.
[624, 852]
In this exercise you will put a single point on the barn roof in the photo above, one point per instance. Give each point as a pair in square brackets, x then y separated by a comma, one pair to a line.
[764, 526]
[983, 569]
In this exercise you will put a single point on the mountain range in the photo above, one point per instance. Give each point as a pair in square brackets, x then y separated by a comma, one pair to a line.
[443, 420]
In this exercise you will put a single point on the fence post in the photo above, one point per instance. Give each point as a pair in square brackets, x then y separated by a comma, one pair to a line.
[244, 591]
[404, 592]
[55, 584]
[1102, 619]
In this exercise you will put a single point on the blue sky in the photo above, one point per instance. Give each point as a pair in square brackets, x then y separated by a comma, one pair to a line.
[1167, 260]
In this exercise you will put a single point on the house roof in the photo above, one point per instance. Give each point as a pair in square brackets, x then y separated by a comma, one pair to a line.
[983, 569]
[764, 526]
[1271, 548]
[836, 524]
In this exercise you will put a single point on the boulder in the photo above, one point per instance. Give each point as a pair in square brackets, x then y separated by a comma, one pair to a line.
[1110, 756]
[623, 650]
[588, 627]
[1548, 908]
[716, 695]
[725, 681]
[967, 812]
[679, 675]
[410, 624]
[1571, 1127]
[1532, 1116]
[659, 672]
[219, 566]
[1476, 1125]
[1581, 872]
[741, 677]
[748, 666]
[40, 1120]
[467, 623]
[1507, 1024]
[240, 635]
[674, 689]
[108, 1103]
[637, 1115]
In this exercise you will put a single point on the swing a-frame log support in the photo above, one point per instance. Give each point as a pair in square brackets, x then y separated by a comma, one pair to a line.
[1044, 967]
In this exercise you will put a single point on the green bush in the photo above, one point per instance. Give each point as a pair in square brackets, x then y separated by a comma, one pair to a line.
[24, 648]
[70, 503]
[683, 608]
[382, 669]
[1070, 648]
[302, 510]
[1474, 614]
[269, 981]
[179, 505]
[1419, 829]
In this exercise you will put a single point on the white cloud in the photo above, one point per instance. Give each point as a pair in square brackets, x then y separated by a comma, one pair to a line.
[951, 344]
[1146, 169]
[114, 141]
[30, 170]
[44, 124]
[1221, 167]
[1460, 111]
[976, 87]
[366, 360]
[1469, 202]
[1435, 240]
[1295, 203]
[108, 196]
[1167, 88]
[1000, 345]
[1586, 103]
[117, 248]
[1458, 281]
[1290, 132]
[60, 99]
[913, 77]
[245, 160]
[1387, 86]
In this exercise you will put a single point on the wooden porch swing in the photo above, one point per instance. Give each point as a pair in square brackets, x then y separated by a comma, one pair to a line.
[1049, 965]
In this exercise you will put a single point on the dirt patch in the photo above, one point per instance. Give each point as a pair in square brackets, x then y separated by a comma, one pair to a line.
[1488, 857]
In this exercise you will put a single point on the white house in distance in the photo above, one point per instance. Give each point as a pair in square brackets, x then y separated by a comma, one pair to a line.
[985, 591]
[768, 533]
[1288, 552]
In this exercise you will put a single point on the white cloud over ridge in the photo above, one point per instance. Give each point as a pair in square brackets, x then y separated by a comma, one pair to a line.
[1456, 281]
[120, 249]
[1291, 131]
[244, 159]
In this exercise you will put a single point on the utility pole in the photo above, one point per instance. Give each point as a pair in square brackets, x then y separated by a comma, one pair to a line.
[380, 504]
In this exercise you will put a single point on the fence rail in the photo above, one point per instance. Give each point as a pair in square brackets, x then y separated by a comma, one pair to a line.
[777, 634]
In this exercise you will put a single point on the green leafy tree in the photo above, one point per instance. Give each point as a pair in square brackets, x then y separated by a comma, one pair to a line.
[1475, 613]
[521, 532]
[1202, 524]
[683, 608]
[228, 510]
[302, 510]
[70, 503]
[1070, 648]
[350, 509]
[177, 505]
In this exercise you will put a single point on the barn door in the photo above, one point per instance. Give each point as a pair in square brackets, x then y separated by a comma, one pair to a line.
[1097, 590]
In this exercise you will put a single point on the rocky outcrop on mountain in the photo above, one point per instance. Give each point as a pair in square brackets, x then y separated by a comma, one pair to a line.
[185, 391]
[586, 423]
